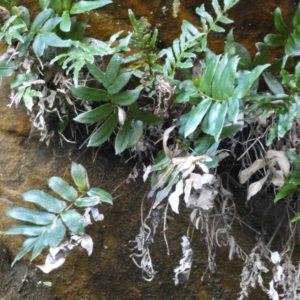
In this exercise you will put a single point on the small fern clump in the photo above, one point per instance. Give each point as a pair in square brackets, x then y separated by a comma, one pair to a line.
[59, 219]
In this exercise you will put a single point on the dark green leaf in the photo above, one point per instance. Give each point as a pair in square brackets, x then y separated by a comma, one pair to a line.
[285, 120]
[296, 98]
[104, 196]
[24, 46]
[123, 137]
[204, 14]
[273, 84]
[196, 116]
[22, 12]
[40, 244]
[97, 73]
[209, 73]
[271, 136]
[77, 29]
[294, 173]
[65, 24]
[213, 163]
[184, 65]
[176, 48]
[183, 119]
[288, 79]
[6, 69]
[66, 4]
[296, 18]
[293, 180]
[95, 115]
[225, 84]
[279, 23]
[30, 215]
[84, 6]
[51, 39]
[56, 232]
[27, 245]
[182, 97]
[30, 230]
[217, 8]
[293, 157]
[229, 4]
[230, 130]
[216, 119]
[143, 115]
[297, 73]
[28, 95]
[89, 94]
[245, 62]
[38, 46]
[104, 132]
[40, 19]
[233, 109]
[119, 83]
[87, 201]
[126, 98]
[212, 150]
[113, 68]
[80, 177]
[22, 78]
[224, 20]
[217, 28]
[292, 46]
[296, 218]
[285, 191]
[73, 220]
[245, 84]
[57, 5]
[6, 4]
[136, 133]
[262, 55]
[44, 200]
[202, 145]
[217, 78]
[50, 24]
[233, 48]
[275, 40]
[62, 188]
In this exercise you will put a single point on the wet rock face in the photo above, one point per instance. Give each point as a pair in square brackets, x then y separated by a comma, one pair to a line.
[253, 19]
[21, 282]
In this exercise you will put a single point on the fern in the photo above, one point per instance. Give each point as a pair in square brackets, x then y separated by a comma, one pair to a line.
[287, 38]
[209, 23]
[145, 40]
[85, 52]
[192, 40]
[10, 30]
[182, 50]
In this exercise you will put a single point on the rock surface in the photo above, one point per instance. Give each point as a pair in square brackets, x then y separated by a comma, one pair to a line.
[109, 272]
[252, 19]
